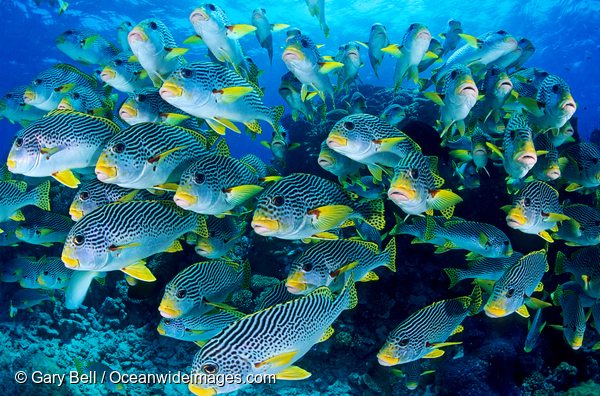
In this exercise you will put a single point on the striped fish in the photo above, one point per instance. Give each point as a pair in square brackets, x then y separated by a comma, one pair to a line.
[12, 270]
[94, 194]
[119, 236]
[562, 135]
[547, 166]
[535, 209]
[146, 105]
[485, 268]
[480, 239]
[424, 332]
[274, 295]
[223, 235]
[484, 49]
[567, 296]
[125, 75]
[583, 228]
[30, 271]
[198, 328]
[45, 91]
[581, 166]
[517, 285]
[497, 87]
[369, 140]
[555, 104]
[202, 286]
[302, 206]
[219, 96]
[53, 274]
[14, 109]
[535, 328]
[86, 46]
[154, 47]
[216, 184]
[149, 154]
[44, 228]
[339, 165]
[584, 265]
[270, 341]
[14, 196]
[416, 187]
[412, 373]
[290, 91]
[59, 142]
[8, 236]
[421, 226]
[330, 263]
[86, 100]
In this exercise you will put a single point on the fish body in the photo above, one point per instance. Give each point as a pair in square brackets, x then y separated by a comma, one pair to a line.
[468, 175]
[122, 32]
[86, 46]
[547, 167]
[555, 102]
[452, 36]
[14, 196]
[330, 263]
[425, 331]
[195, 287]
[274, 295]
[223, 235]
[485, 268]
[14, 108]
[535, 329]
[567, 296]
[88, 101]
[535, 209]
[290, 90]
[496, 87]
[435, 47]
[28, 298]
[337, 164]
[316, 8]
[582, 168]
[583, 227]
[53, 274]
[301, 206]
[149, 154]
[410, 53]
[394, 114]
[482, 239]
[8, 237]
[519, 153]
[584, 265]
[264, 29]
[44, 228]
[218, 95]
[350, 57]
[119, 236]
[483, 49]
[562, 135]
[198, 327]
[94, 194]
[378, 39]
[516, 285]
[216, 184]
[527, 51]
[58, 143]
[124, 75]
[148, 106]
[12, 270]
[270, 341]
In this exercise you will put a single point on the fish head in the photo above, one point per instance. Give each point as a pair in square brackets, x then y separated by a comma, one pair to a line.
[181, 297]
[259, 14]
[73, 101]
[400, 347]
[503, 84]
[211, 247]
[500, 42]
[109, 73]
[506, 298]
[524, 154]
[517, 216]
[352, 136]
[279, 212]
[556, 96]
[148, 37]
[25, 153]
[85, 201]
[190, 86]
[86, 248]
[407, 187]
[171, 328]
[208, 17]
[12, 271]
[199, 189]
[300, 51]
[120, 161]
[71, 42]
[212, 361]
[307, 274]
[132, 110]
[32, 233]
[420, 33]
[552, 170]
[464, 85]
[328, 159]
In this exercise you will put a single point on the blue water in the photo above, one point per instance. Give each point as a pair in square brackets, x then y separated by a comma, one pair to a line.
[564, 33]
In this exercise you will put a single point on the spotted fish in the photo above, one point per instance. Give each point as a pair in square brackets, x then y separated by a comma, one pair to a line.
[486, 268]
[14, 196]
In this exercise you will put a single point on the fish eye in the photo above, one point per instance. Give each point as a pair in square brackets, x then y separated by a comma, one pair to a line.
[78, 240]
[153, 25]
[404, 342]
[82, 41]
[37, 81]
[181, 293]
[167, 321]
[413, 26]
[502, 32]
[84, 195]
[506, 243]
[349, 125]
[76, 95]
[414, 173]
[8, 96]
[453, 74]
[141, 98]
[38, 232]
[18, 142]
[209, 368]
[304, 43]
[68, 32]
[278, 200]
[307, 267]
[510, 293]
[46, 273]
[283, 134]
[211, 7]
[555, 88]
[263, 10]
[199, 178]
[118, 148]
[118, 62]
[527, 201]
[186, 73]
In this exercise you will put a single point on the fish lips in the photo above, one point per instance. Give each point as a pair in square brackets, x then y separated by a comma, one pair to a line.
[516, 218]
[170, 90]
[166, 311]
[401, 194]
[29, 96]
[264, 226]
[468, 88]
[291, 53]
[107, 74]
[69, 261]
[184, 199]
[494, 311]
[137, 35]
[334, 141]
[199, 15]
[76, 214]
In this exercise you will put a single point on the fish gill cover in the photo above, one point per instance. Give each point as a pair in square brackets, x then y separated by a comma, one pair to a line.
[195, 197]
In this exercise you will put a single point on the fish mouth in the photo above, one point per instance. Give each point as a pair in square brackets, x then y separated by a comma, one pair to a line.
[527, 158]
[480, 151]
[468, 88]
[161, 329]
[386, 358]
[11, 164]
[353, 54]
[107, 74]
[264, 226]
[424, 35]
[204, 248]
[494, 311]
[325, 161]
[170, 90]
[401, 194]
[28, 96]
[41, 281]
[199, 15]
[69, 261]
[295, 283]
[19, 233]
[184, 199]
[292, 53]
[516, 218]
[76, 214]
[137, 35]
[196, 390]
[65, 105]
[553, 173]
[334, 141]
[568, 105]
[127, 111]
[577, 343]
[105, 172]
[166, 311]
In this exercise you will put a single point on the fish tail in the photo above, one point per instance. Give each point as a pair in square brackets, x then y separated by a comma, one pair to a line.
[348, 298]
[201, 227]
[561, 261]
[453, 276]
[246, 274]
[476, 300]
[372, 213]
[390, 253]
[275, 114]
[41, 196]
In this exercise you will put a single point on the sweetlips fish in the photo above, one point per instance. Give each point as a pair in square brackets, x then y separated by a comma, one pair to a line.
[122, 32]
[562, 135]
[124, 75]
[452, 36]
[330, 263]
[477, 151]
[516, 286]
[535, 328]
[86, 46]
[30, 271]
[482, 50]
[378, 39]
[44, 228]
[153, 45]
[317, 9]
[223, 235]
[14, 196]
[53, 274]
[301, 206]
[12, 270]
[567, 296]
[93, 194]
[290, 90]
[496, 87]
[8, 236]
[264, 28]
[535, 210]
[547, 167]
[149, 154]
[350, 56]
[412, 374]
[198, 328]
[86, 100]
[148, 106]
[270, 341]
[219, 96]
[120, 235]
[202, 286]
[28, 298]
[527, 51]
[59, 143]
[424, 332]
[339, 165]
[486, 268]
[582, 229]
[394, 114]
[584, 265]
[581, 166]
[280, 146]
[14, 108]
[553, 105]
[468, 175]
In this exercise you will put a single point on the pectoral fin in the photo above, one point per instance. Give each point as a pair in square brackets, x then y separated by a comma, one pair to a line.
[328, 217]
[139, 271]
[240, 30]
[278, 360]
[343, 269]
[293, 373]
[239, 194]
[67, 178]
